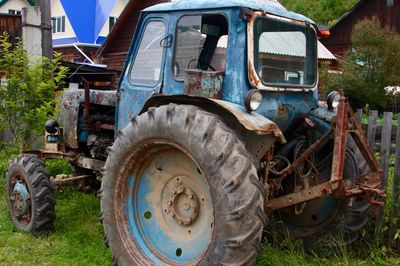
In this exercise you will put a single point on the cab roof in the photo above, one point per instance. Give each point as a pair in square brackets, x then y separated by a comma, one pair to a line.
[270, 6]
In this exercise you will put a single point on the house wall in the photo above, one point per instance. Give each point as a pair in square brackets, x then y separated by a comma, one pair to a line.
[340, 40]
[13, 4]
[58, 10]
[70, 54]
[117, 9]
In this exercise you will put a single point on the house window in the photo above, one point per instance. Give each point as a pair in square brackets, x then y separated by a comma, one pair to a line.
[14, 12]
[112, 21]
[58, 24]
[390, 3]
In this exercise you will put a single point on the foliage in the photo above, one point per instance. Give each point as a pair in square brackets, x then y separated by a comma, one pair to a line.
[26, 91]
[371, 65]
[325, 12]
[6, 153]
[58, 166]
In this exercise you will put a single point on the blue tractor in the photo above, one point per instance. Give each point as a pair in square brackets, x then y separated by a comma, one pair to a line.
[215, 130]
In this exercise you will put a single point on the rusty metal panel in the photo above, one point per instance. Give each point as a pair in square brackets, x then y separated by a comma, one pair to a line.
[304, 195]
[203, 83]
[89, 163]
[252, 121]
[70, 111]
[339, 149]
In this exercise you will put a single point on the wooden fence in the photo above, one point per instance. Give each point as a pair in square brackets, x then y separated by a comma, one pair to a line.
[384, 138]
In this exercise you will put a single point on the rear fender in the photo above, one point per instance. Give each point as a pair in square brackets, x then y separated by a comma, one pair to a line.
[258, 132]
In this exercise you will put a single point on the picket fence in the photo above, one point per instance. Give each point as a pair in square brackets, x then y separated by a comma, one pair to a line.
[384, 139]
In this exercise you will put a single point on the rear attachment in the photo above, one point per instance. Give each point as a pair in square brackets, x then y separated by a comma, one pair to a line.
[367, 186]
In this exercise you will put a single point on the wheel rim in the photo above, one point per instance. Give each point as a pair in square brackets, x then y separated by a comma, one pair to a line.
[168, 205]
[20, 199]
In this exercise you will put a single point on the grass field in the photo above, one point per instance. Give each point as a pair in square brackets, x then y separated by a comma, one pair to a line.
[78, 240]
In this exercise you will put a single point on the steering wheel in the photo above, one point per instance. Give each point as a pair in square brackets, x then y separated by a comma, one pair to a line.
[195, 60]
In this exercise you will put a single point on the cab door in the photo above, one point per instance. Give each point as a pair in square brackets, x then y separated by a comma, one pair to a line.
[144, 69]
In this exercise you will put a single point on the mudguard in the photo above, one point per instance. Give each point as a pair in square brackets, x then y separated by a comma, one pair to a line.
[253, 122]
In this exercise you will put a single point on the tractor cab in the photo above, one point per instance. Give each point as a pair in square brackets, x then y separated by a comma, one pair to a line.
[222, 51]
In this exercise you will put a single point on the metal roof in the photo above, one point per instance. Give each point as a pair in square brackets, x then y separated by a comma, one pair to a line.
[324, 53]
[270, 6]
[345, 15]
[283, 43]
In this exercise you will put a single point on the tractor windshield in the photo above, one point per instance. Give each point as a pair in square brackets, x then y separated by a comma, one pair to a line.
[285, 53]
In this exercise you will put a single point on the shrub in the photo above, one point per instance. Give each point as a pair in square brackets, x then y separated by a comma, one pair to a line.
[27, 91]
[369, 67]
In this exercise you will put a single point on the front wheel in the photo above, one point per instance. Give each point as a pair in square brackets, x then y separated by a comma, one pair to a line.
[179, 188]
[30, 195]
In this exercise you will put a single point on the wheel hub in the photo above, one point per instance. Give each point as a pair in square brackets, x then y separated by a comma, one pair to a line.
[20, 199]
[184, 205]
[171, 213]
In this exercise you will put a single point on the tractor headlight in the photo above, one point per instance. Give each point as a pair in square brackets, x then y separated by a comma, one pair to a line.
[253, 100]
[333, 100]
[51, 126]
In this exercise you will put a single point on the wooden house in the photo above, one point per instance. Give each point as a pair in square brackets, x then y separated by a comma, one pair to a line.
[12, 25]
[115, 48]
[387, 11]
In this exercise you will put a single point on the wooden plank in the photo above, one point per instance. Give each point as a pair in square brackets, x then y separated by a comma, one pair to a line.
[359, 115]
[394, 214]
[373, 115]
[385, 160]
[378, 134]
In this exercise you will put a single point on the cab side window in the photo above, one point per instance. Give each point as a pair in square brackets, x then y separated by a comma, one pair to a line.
[201, 43]
[146, 69]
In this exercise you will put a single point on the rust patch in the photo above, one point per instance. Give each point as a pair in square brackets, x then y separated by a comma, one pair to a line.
[203, 83]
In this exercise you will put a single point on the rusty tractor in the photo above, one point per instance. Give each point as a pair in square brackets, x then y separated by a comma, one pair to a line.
[215, 127]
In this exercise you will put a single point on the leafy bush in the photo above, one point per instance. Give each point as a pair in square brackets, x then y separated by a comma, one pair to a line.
[56, 167]
[369, 67]
[324, 12]
[27, 91]
[6, 153]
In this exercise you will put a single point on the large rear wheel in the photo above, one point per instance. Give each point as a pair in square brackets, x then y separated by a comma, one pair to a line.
[179, 188]
[343, 219]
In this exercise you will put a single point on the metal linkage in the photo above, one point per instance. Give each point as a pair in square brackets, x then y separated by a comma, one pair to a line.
[367, 187]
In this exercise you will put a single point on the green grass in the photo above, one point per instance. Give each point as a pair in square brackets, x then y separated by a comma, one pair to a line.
[77, 239]
[336, 255]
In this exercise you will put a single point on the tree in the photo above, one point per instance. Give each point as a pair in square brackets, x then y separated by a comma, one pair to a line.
[27, 95]
[325, 12]
[371, 65]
